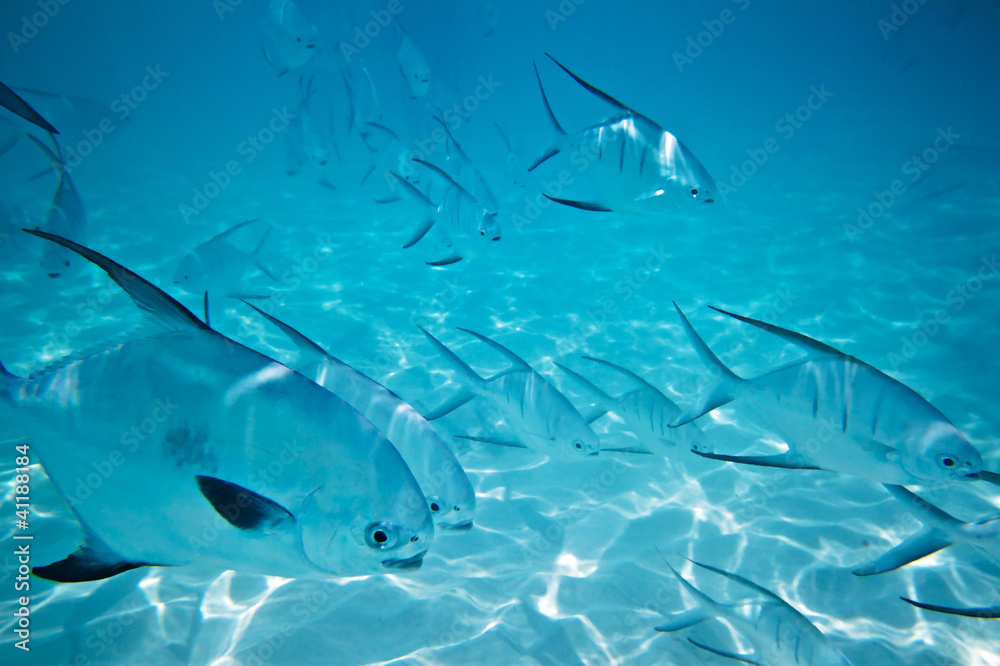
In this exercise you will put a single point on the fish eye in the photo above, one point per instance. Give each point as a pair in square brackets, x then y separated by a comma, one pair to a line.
[482, 232]
[694, 191]
[578, 445]
[435, 504]
[381, 536]
[946, 461]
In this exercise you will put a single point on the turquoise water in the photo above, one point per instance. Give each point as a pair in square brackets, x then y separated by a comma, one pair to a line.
[562, 564]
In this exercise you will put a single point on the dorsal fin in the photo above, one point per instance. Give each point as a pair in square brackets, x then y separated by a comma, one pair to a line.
[508, 354]
[797, 339]
[628, 373]
[443, 174]
[598, 92]
[16, 104]
[148, 297]
[744, 582]
[451, 137]
[303, 343]
[222, 234]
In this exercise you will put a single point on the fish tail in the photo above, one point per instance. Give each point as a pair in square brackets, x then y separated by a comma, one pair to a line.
[8, 382]
[467, 373]
[560, 133]
[726, 387]
[709, 607]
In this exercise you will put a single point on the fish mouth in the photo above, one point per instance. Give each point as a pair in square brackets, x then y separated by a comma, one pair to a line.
[464, 526]
[983, 475]
[53, 275]
[407, 564]
[709, 200]
[496, 238]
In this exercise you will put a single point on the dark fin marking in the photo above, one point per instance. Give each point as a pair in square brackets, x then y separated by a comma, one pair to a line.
[303, 343]
[597, 91]
[559, 131]
[13, 102]
[781, 460]
[508, 354]
[447, 261]
[629, 449]
[205, 305]
[492, 440]
[987, 613]
[83, 567]
[243, 508]
[582, 205]
[745, 658]
[147, 297]
[798, 339]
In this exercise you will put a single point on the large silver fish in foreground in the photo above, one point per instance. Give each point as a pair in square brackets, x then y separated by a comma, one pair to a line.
[66, 217]
[642, 167]
[186, 447]
[646, 411]
[839, 414]
[778, 632]
[541, 417]
[940, 531]
[450, 496]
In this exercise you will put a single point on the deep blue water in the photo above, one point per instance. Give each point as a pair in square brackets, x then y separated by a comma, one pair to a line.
[807, 115]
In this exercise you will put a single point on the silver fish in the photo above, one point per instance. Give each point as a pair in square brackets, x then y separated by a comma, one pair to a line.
[839, 414]
[643, 168]
[645, 410]
[460, 217]
[219, 266]
[512, 165]
[13, 102]
[253, 468]
[305, 145]
[364, 109]
[12, 220]
[450, 496]
[413, 66]
[940, 531]
[288, 40]
[541, 417]
[460, 167]
[66, 217]
[778, 632]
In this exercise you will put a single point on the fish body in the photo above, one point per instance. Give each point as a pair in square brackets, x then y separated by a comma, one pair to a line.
[364, 108]
[414, 67]
[642, 167]
[214, 454]
[219, 266]
[647, 413]
[288, 40]
[840, 414]
[542, 418]
[464, 223]
[450, 496]
[779, 633]
[12, 220]
[66, 217]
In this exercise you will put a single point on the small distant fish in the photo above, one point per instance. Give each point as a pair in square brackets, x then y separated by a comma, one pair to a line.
[643, 168]
[940, 531]
[461, 168]
[778, 632]
[450, 496]
[541, 417]
[304, 144]
[66, 217]
[288, 40]
[463, 220]
[364, 109]
[839, 414]
[489, 15]
[645, 410]
[13, 102]
[250, 466]
[218, 266]
[513, 169]
[414, 66]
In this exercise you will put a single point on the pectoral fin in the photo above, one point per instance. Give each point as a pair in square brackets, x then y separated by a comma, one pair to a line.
[582, 205]
[683, 620]
[787, 460]
[244, 508]
[628, 449]
[989, 613]
[514, 444]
